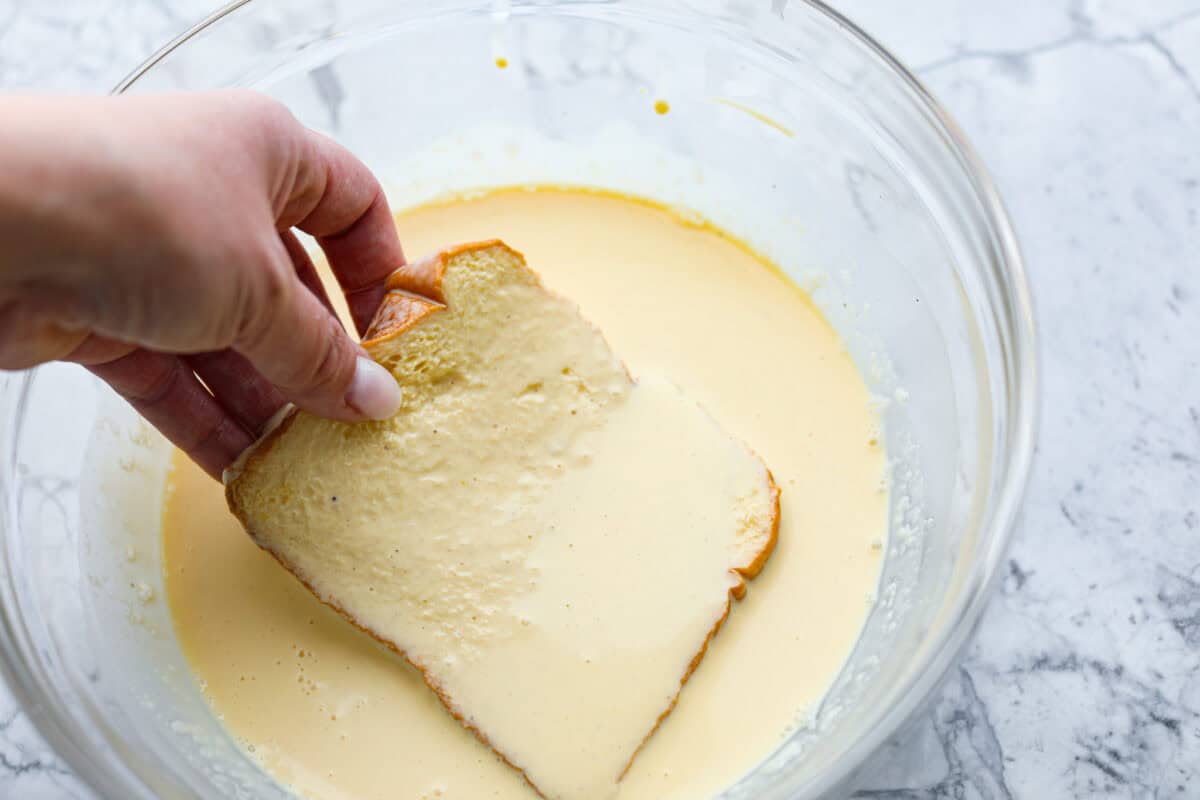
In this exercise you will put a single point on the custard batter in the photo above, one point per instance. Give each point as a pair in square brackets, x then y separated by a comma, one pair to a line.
[335, 716]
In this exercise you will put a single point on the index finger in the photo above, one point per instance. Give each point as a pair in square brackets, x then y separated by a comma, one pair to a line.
[335, 198]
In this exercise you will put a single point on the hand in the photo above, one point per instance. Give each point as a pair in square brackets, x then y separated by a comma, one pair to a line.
[150, 239]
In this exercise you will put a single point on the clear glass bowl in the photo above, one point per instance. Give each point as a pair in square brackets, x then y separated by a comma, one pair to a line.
[787, 126]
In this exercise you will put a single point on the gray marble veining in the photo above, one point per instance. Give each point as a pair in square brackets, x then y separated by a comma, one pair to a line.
[1084, 679]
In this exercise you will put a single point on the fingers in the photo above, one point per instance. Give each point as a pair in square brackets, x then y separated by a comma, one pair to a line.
[362, 258]
[335, 198]
[165, 391]
[239, 388]
[297, 344]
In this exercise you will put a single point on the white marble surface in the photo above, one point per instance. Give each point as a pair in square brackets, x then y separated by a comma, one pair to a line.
[1084, 680]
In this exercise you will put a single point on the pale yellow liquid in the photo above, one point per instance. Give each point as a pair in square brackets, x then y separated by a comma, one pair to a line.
[334, 715]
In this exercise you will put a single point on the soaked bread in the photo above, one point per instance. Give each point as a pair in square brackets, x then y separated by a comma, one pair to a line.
[551, 543]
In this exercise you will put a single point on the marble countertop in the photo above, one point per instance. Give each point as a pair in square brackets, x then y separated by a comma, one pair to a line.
[1084, 679]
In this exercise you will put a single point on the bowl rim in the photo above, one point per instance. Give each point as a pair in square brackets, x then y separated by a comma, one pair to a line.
[1022, 406]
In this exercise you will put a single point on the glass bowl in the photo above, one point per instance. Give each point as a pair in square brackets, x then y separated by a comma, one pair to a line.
[778, 121]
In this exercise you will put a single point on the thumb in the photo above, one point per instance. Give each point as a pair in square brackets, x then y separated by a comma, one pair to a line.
[297, 344]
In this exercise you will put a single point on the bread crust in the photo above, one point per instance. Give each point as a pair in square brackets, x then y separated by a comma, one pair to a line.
[745, 573]
[414, 292]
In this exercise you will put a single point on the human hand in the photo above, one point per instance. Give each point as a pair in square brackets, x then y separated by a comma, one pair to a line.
[150, 239]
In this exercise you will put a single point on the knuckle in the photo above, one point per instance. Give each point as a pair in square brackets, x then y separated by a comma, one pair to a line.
[262, 107]
[273, 111]
[210, 435]
[264, 291]
[155, 385]
[214, 442]
[253, 331]
[274, 284]
[330, 371]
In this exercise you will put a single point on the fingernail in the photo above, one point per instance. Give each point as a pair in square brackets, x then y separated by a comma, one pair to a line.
[373, 391]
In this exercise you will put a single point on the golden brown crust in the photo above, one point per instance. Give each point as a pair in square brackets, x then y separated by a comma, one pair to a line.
[425, 277]
[415, 290]
[398, 311]
[751, 570]
[413, 293]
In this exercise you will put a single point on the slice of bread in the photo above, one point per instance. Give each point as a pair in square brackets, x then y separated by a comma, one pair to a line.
[550, 543]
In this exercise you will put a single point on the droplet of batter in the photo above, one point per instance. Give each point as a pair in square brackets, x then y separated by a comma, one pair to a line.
[661, 107]
[502, 62]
